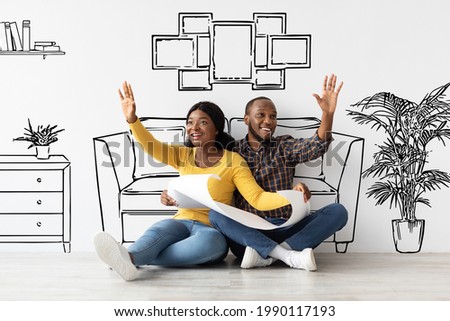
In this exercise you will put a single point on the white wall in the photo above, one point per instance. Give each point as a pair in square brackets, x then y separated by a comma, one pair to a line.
[398, 46]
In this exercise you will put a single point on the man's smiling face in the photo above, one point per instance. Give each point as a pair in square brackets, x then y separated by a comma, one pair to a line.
[261, 119]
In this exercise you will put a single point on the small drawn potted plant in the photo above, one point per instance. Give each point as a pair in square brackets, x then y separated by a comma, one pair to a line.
[40, 138]
[402, 162]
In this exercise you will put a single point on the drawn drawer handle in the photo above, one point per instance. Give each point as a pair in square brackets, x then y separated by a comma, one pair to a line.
[39, 180]
[39, 224]
[39, 202]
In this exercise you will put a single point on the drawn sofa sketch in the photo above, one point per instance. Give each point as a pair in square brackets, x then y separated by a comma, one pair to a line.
[207, 51]
[130, 182]
[19, 42]
[402, 161]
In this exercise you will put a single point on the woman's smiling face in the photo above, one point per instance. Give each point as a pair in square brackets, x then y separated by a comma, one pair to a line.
[200, 129]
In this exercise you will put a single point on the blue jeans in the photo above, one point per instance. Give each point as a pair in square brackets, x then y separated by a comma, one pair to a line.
[308, 233]
[172, 242]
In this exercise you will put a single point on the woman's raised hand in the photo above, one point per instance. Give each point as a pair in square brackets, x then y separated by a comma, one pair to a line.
[128, 104]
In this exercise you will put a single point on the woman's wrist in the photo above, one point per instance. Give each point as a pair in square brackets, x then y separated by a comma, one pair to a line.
[132, 119]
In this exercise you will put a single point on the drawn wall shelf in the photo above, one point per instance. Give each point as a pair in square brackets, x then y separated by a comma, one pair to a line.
[16, 41]
[35, 200]
[44, 54]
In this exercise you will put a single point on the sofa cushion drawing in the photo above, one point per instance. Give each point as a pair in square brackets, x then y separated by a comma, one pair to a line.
[129, 182]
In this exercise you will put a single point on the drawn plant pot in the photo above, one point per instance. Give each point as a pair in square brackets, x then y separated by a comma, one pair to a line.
[402, 159]
[408, 235]
[40, 137]
[42, 152]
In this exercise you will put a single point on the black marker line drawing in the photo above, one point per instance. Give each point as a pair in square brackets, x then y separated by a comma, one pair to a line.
[40, 137]
[129, 182]
[14, 42]
[35, 200]
[35, 192]
[400, 163]
[207, 51]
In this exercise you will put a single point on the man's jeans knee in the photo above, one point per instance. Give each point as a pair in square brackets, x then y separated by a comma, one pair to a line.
[338, 214]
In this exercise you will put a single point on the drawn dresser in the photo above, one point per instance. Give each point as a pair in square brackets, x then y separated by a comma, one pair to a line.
[35, 200]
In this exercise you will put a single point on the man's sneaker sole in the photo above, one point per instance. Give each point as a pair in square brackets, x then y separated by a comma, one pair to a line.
[311, 263]
[303, 260]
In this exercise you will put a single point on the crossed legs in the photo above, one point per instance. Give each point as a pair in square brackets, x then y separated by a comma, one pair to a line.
[308, 233]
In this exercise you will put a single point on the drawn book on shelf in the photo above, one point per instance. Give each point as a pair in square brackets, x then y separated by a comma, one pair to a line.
[8, 38]
[26, 35]
[3, 41]
[13, 41]
[15, 37]
[46, 46]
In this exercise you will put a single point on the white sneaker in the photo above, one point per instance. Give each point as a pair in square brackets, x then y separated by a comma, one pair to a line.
[115, 255]
[302, 260]
[252, 259]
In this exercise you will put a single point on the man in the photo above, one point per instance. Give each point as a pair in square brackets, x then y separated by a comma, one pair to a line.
[273, 161]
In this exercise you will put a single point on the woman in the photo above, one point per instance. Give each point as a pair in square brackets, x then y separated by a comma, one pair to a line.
[187, 238]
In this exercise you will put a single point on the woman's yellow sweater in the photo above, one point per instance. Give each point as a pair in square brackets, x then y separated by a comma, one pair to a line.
[232, 169]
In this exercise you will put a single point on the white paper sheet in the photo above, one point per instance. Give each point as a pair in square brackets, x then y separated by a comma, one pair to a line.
[191, 191]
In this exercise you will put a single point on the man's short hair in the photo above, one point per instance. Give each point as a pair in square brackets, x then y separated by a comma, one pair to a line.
[250, 103]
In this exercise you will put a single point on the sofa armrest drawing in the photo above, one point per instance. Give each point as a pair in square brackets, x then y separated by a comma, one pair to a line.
[130, 182]
[114, 171]
[336, 177]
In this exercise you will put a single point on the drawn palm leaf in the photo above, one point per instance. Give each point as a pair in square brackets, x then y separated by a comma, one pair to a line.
[433, 179]
[382, 191]
[385, 109]
[400, 161]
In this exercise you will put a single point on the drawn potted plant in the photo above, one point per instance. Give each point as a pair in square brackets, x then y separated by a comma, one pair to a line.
[40, 138]
[401, 160]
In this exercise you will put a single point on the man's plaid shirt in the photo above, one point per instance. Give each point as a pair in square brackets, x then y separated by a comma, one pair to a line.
[273, 166]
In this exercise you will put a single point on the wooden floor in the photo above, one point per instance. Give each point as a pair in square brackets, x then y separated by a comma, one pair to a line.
[350, 276]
